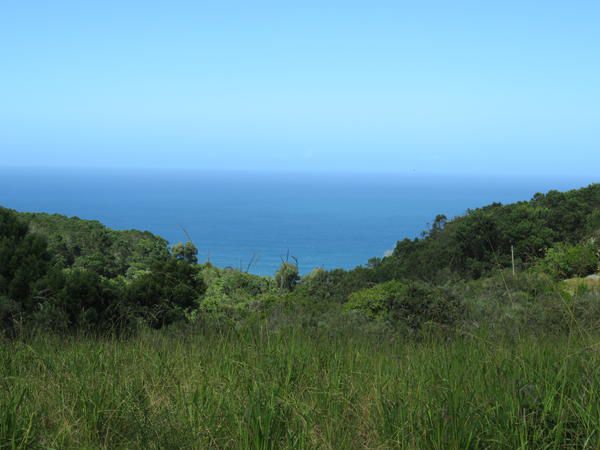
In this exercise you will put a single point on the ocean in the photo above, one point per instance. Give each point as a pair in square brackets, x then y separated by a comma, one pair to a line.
[253, 221]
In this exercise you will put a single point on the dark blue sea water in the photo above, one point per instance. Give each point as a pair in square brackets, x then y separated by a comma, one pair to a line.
[325, 220]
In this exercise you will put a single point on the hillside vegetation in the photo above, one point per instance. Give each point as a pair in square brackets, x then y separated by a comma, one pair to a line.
[111, 339]
[65, 274]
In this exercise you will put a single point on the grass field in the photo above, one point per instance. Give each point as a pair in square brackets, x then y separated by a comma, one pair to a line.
[264, 390]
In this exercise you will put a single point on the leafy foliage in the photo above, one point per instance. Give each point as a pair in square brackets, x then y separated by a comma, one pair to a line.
[68, 274]
[164, 294]
[86, 276]
[87, 244]
[306, 362]
[479, 242]
[185, 252]
[287, 276]
[568, 261]
[411, 304]
[24, 259]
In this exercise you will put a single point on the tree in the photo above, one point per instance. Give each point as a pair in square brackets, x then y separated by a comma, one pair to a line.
[24, 259]
[187, 252]
[438, 224]
[164, 294]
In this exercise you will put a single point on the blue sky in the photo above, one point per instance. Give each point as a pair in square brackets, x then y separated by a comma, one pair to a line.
[454, 87]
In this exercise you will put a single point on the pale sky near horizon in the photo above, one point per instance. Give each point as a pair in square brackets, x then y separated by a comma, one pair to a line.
[438, 86]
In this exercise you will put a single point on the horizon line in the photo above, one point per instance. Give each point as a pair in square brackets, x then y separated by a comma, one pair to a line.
[301, 171]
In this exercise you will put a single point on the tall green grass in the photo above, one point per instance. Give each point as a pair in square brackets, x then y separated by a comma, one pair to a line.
[264, 390]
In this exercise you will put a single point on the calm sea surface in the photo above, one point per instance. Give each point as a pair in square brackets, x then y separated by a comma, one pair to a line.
[324, 220]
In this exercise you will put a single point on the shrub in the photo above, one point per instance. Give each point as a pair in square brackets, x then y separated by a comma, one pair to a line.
[336, 285]
[411, 304]
[287, 276]
[231, 294]
[164, 294]
[568, 261]
[77, 299]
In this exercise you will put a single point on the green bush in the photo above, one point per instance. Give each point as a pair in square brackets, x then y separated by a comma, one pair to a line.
[530, 302]
[333, 285]
[287, 276]
[411, 304]
[166, 293]
[232, 295]
[75, 299]
[567, 261]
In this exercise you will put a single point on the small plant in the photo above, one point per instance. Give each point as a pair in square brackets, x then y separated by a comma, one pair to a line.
[287, 276]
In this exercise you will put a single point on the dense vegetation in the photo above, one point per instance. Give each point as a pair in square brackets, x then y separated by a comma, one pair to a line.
[88, 244]
[64, 274]
[473, 245]
[293, 389]
[67, 274]
[430, 347]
